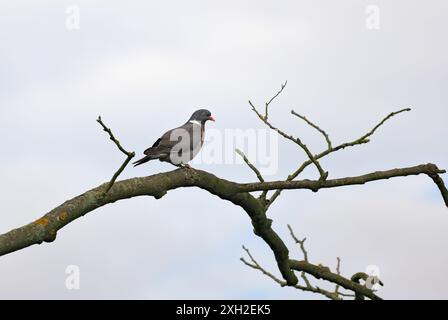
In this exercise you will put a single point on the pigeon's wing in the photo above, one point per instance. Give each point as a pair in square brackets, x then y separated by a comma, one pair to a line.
[181, 135]
[147, 151]
[156, 143]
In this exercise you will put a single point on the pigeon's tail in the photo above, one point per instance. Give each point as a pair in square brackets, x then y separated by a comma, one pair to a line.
[142, 160]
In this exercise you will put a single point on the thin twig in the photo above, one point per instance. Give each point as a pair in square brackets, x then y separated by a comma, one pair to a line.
[291, 177]
[129, 155]
[256, 171]
[273, 98]
[305, 279]
[256, 265]
[112, 137]
[309, 288]
[390, 115]
[251, 166]
[322, 173]
[338, 271]
[326, 136]
[346, 294]
[336, 294]
[362, 140]
[300, 242]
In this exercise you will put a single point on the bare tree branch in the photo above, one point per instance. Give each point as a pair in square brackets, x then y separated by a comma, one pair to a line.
[45, 228]
[362, 140]
[317, 271]
[338, 271]
[327, 138]
[315, 185]
[256, 171]
[308, 287]
[441, 185]
[273, 98]
[300, 242]
[322, 173]
[112, 137]
[250, 165]
[255, 265]
[390, 115]
[129, 155]
[322, 272]
[157, 185]
[357, 277]
[291, 177]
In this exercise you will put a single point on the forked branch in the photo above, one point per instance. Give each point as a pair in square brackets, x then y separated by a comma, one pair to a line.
[129, 155]
[318, 272]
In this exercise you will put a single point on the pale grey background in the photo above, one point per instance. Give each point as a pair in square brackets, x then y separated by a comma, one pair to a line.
[146, 65]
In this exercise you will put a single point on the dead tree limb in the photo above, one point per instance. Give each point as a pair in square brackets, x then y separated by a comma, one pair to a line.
[46, 227]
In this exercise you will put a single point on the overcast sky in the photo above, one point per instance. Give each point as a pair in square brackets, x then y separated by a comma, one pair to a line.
[145, 66]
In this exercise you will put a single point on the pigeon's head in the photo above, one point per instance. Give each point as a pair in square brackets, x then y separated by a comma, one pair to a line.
[201, 115]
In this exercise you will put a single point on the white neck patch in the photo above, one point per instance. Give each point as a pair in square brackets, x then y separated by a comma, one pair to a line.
[195, 122]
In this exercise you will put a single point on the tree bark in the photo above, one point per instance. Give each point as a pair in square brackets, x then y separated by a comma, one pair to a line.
[45, 228]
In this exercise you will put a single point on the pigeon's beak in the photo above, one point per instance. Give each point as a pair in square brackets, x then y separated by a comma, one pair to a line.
[211, 118]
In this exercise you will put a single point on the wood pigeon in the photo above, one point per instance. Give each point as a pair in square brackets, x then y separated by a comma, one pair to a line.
[180, 145]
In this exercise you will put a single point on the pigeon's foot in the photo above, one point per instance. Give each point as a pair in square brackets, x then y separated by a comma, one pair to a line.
[183, 166]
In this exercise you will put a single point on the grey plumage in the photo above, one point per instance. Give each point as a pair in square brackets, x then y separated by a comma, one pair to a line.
[180, 145]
